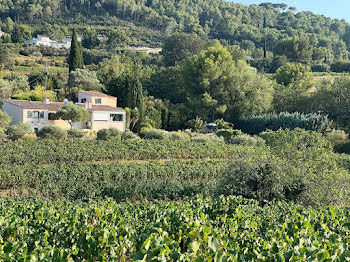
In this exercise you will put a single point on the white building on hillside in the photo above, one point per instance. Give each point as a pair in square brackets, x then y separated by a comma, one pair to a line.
[46, 41]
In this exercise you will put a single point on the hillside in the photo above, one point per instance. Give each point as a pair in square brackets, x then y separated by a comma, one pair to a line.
[151, 20]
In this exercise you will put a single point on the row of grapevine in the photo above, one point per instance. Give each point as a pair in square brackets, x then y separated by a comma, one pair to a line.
[132, 180]
[222, 229]
[48, 151]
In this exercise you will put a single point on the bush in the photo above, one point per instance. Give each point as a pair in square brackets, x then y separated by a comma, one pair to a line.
[178, 136]
[257, 124]
[297, 141]
[105, 134]
[247, 140]
[17, 132]
[156, 134]
[340, 67]
[258, 176]
[303, 178]
[320, 68]
[76, 133]
[207, 139]
[2, 134]
[29, 137]
[52, 132]
[228, 134]
[337, 137]
[128, 135]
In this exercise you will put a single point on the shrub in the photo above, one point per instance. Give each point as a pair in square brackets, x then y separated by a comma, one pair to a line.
[156, 134]
[29, 137]
[247, 140]
[17, 132]
[320, 68]
[258, 176]
[2, 134]
[297, 141]
[178, 136]
[5, 119]
[108, 133]
[340, 67]
[222, 124]
[128, 135]
[228, 134]
[337, 137]
[257, 124]
[264, 176]
[211, 138]
[76, 133]
[52, 132]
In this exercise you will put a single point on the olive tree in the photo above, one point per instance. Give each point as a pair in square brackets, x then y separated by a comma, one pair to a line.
[72, 114]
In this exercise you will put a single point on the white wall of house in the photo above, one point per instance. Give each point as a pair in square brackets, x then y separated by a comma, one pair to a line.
[15, 112]
[100, 120]
[34, 122]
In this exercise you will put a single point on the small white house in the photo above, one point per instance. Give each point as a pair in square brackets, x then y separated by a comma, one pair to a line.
[46, 41]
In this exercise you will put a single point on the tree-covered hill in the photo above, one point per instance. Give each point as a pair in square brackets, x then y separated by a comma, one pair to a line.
[235, 23]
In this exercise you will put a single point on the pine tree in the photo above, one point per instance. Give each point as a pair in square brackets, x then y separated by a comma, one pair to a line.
[135, 97]
[75, 57]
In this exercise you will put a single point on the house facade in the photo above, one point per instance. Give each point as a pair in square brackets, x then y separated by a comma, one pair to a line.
[102, 109]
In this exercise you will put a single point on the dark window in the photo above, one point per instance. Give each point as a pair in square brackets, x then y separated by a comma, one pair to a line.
[42, 114]
[116, 117]
[83, 100]
[51, 116]
[97, 100]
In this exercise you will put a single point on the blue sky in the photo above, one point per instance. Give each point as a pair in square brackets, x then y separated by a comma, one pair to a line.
[332, 8]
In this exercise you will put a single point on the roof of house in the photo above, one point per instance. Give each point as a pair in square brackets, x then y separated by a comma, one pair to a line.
[106, 108]
[93, 93]
[54, 106]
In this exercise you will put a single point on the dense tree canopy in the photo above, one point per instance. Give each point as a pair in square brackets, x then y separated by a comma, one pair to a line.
[213, 79]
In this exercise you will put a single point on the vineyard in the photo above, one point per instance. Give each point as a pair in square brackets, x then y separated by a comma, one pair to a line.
[163, 200]
[199, 229]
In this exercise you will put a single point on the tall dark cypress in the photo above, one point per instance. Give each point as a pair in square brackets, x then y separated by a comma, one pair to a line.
[75, 57]
[135, 97]
[265, 41]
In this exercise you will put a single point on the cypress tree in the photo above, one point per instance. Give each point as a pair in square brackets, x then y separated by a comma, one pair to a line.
[75, 57]
[135, 97]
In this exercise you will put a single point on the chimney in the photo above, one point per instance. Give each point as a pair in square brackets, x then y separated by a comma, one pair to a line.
[46, 100]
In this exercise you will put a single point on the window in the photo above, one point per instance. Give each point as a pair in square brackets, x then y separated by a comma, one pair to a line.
[36, 114]
[97, 100]
[116, 117]
[83, 100]
[51, 116]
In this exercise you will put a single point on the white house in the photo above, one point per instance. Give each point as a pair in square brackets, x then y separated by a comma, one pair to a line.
[102, 108]
[46, 41]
